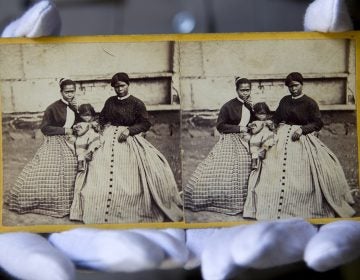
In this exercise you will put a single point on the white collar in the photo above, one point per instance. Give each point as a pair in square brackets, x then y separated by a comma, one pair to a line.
[297, 97]
[238, 98]
[124, 97]
[63, 100]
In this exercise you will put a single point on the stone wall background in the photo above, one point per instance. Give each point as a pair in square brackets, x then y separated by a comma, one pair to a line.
[208, 70]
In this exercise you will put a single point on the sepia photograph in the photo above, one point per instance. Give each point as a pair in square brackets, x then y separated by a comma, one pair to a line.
[90, 133]
[269, 129]
[168, 131]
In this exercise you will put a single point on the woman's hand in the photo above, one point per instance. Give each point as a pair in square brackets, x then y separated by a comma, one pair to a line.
[69, 131]
[73, 104]
[270, 124]
[262, 154]
[124, 135]
[89, 156]
[96, 126]
[296, 135]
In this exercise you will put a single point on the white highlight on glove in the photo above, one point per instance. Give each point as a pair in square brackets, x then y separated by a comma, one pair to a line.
[30, 256]
[122, 250]
[172, 241]
[327, 16]
[261, 245]
[336, 243]
[42, 19]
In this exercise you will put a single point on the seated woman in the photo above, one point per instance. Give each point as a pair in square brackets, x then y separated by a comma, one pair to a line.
[219, 183]
[46, 184]
[128, 179]
[300, 176]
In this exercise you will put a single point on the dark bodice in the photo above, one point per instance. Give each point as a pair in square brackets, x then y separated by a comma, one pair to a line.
[303, 111]
[230, 116]
[130, 112]
[54, 119]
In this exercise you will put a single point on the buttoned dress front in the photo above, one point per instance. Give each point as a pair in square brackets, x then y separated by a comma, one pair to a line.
[299, 178]
[130, 181]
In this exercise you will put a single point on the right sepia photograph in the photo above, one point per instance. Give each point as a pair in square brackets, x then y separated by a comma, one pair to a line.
[269, 129]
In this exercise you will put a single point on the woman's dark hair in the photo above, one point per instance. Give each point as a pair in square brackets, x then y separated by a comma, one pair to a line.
[239, 81]
[87, 110]
[261, 108]
[120, 77]
[294, 77]
[65, 82]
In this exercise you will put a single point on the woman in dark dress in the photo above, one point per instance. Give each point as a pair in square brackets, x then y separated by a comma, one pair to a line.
[300, 176]
[129, 180]
[46, 184]
[219, 183]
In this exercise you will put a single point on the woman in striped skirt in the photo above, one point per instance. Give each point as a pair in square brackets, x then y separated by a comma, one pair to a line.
[300, 176]
[46, 184]
[129, 180]
[219, 183]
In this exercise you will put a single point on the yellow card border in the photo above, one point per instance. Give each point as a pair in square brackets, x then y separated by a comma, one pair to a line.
[353, 35]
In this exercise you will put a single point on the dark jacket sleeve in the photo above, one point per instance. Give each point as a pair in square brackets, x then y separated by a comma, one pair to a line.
[47, 127]
[276, 117]
[222, 124]
[142, 122]
[315, 123]
[102, 116]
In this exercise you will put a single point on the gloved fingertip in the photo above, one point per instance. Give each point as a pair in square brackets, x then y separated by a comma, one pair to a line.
[172, 242]
[327, 16]
[109, 250]
[30, 256]
[195, 242]
[42, 19]
[268, 244]
[335, 244]
[216, 259]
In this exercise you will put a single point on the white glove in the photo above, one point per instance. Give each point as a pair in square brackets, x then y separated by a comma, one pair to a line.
[30, 256]
[327, 16]
[43, 19]
[219, 251]
[223, 252]
[123, 250]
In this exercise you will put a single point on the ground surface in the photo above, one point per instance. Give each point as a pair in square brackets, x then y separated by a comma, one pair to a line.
[21, 146]
[197, 148]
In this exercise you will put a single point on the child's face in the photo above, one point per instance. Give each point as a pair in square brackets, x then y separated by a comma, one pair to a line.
[81, 128]
[256, 126]
[261, 116]
[86, 118]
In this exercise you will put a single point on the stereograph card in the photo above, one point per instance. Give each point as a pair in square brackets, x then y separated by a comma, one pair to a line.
[178, 131]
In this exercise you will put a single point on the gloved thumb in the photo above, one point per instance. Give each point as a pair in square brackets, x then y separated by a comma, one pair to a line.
[42, 19]
[327, 16]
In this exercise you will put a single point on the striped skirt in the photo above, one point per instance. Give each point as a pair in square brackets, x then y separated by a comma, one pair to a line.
[128, 182]
[219, 183]
[46, 184]
[298, 179]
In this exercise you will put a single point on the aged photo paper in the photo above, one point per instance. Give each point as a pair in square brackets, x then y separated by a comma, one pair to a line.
[178, 130]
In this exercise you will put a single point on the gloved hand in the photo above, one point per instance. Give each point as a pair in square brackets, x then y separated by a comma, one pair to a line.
[220, 252]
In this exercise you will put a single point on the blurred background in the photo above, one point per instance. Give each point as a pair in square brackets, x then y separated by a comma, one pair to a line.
[93, 17]
[89, 17]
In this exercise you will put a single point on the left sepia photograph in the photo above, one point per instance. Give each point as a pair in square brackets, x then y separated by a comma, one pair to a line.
[90, 133]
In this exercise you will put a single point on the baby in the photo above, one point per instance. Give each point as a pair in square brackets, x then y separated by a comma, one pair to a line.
[261, 132]
[87, 136]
